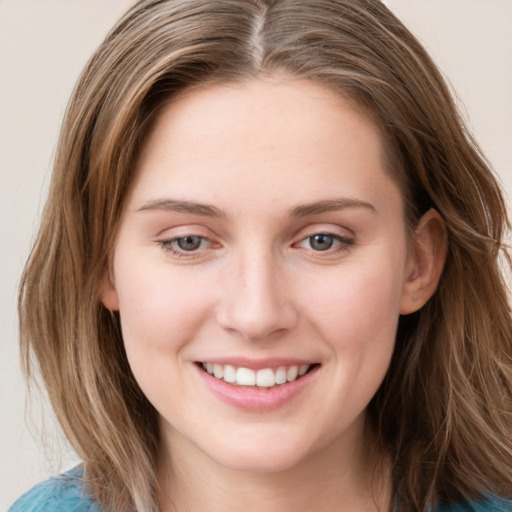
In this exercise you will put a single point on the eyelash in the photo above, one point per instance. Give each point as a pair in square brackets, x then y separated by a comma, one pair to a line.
[169, 245]
[344, 242]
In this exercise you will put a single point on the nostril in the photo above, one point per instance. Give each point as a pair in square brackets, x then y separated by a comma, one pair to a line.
[255, 321]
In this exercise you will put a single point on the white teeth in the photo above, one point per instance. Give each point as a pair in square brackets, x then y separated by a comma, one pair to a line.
[218, 371]
[245, 377]
[264, 378]
[303, 368]
[229, 373]
[281, 375]
[292, 373]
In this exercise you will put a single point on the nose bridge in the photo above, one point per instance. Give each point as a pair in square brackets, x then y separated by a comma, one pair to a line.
[257, 302]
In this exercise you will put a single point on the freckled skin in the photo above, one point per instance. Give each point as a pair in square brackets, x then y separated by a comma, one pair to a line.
[256, 287]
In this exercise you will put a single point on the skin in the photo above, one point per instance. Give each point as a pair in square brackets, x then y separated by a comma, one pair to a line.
[257, 152]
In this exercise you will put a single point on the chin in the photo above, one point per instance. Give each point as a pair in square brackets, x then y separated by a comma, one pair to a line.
[260, 462]
[260, 456]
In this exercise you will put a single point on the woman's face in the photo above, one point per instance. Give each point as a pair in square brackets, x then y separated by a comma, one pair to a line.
[262, 239]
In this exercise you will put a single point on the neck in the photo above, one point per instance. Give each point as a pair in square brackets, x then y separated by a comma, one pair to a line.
[342, 476]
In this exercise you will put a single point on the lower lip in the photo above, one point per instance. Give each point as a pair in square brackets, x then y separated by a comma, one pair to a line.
[254, 399]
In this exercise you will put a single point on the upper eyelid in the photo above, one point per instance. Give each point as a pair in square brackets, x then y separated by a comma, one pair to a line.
[184, 230]
[325, 229]
[332, 233]
[341, 233]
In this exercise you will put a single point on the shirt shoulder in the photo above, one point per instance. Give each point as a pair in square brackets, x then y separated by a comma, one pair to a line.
[62, 493]
[488, 505]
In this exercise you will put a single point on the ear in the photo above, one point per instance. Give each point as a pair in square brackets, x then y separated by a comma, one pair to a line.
[427, 260]
[108, 293]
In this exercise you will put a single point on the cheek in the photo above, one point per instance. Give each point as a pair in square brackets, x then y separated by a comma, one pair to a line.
[160, 313]
[357, 315]
[358, 301]
[159, 309]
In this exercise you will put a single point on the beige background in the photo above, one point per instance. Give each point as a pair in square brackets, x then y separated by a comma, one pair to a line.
[44, 45]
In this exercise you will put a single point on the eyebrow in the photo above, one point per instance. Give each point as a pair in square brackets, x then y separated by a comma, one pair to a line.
[202, 209]
[331, 205]
[206, 210]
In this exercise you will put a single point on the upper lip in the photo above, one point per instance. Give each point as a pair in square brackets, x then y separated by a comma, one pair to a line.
[258, 364]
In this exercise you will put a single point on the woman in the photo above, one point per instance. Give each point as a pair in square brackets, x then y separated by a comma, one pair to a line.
[268, 272]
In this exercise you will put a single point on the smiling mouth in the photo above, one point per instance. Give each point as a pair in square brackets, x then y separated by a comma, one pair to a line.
[265, 378]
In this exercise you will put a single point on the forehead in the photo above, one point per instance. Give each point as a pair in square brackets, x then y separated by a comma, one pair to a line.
[261, 137]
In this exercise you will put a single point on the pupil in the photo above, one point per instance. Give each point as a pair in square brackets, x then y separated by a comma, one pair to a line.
[189, 243]
[321, 242]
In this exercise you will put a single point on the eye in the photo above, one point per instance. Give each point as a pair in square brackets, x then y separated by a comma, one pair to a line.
[189, 243]
[326, 242]
[321, 242]
[190, 246]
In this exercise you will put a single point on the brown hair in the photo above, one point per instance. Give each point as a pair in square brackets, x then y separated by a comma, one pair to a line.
[444, 410]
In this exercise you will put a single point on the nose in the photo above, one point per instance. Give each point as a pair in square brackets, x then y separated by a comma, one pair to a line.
[256, 302]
